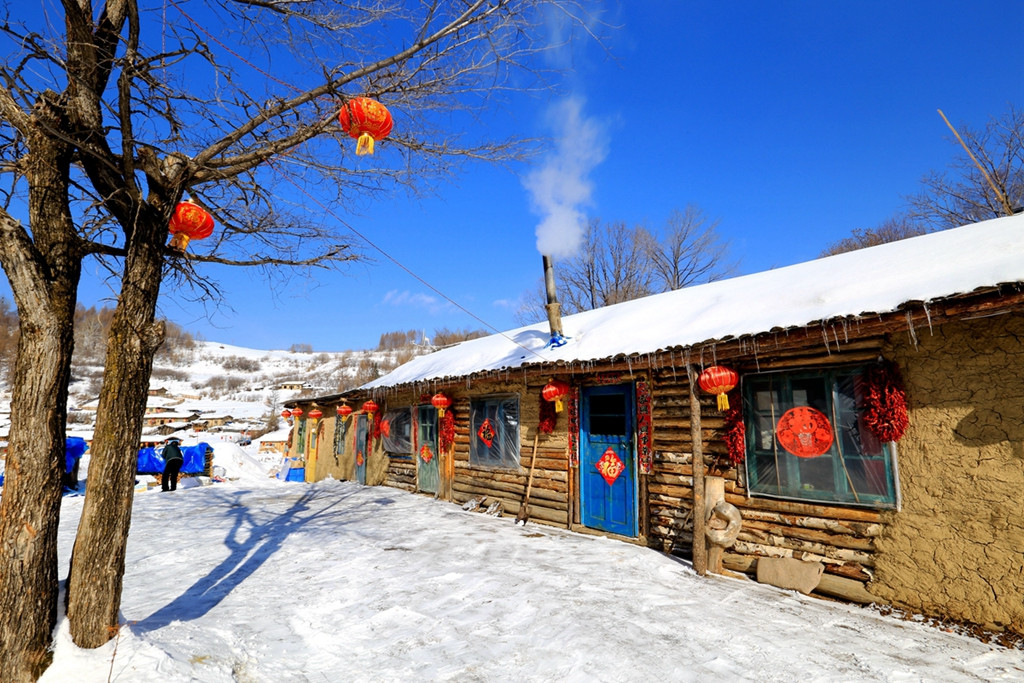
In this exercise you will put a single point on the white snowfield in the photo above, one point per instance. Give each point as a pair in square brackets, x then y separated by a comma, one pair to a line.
[259, 580]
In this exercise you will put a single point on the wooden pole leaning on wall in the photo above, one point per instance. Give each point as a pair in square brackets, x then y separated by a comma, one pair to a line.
[700, 553]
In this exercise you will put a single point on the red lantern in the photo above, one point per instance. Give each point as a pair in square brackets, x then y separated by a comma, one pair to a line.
[286, 413]
[719, 380]
[441, 402]
[316, 414]
[367, 120]
[344, 410]
[370, 407]
[556, 390]
[189, 222]
[296, 412]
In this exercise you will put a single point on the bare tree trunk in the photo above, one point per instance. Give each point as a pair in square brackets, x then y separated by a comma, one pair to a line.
[44, 279]
[97, 565]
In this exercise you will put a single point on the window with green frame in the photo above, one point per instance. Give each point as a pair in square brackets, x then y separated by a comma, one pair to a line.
[855, 469]
[494, 432]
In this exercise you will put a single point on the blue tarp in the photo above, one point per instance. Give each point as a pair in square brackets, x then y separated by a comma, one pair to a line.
[74, 448]
[151, 460]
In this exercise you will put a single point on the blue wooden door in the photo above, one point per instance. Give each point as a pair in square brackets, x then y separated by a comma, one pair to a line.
[428, 475]
[607, 459]
[362, 450]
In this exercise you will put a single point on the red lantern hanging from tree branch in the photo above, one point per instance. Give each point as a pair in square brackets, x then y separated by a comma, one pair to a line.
[719, 380]
[189, 222]
[556, 390]
[366, 120]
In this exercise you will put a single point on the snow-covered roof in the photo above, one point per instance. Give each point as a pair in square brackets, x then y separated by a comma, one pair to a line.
[868, 281]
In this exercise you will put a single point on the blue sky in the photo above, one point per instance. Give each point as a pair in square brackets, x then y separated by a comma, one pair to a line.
[792, 123]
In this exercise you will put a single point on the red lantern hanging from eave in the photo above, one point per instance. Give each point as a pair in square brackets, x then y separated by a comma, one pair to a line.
[286, 413]
[719, 380]
[370, 407]
[441, 402]
[556, 390]
[366, 120]
[316, 414]
[296, 412]
[344, 410]
[189, 222]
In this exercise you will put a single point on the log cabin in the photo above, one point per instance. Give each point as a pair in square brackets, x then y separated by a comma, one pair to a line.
[871, 448]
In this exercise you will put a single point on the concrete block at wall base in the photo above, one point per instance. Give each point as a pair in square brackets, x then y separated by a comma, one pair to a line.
[787, 572]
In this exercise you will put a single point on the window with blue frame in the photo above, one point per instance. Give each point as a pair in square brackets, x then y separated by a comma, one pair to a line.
[806, 439]
[494, 432]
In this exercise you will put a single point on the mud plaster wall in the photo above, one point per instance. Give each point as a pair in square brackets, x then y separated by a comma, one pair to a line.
[957, 547]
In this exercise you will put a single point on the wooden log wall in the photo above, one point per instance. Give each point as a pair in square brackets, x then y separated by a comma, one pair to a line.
[840, 537]
[549, 495]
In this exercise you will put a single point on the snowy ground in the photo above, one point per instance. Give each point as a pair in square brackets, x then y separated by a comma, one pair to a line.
[260, 580]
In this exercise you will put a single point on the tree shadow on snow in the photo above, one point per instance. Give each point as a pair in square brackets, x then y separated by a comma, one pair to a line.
[260, 542]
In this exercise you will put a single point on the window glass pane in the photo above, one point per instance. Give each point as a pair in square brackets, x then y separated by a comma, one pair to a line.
[856, 469]
[494, 435]
[608, 414]
[397, 436]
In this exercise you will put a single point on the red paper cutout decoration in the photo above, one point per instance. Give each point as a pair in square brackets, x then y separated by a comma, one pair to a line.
[189, 222]
[610, 466]
[426, 455]
[366, 120]
[359, 458]
[804, 432]
[385, 428]
[719, 380]
[441, 402]
[486, 432]
[556, 390]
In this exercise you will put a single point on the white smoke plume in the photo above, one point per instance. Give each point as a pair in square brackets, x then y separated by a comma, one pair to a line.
[560, 187]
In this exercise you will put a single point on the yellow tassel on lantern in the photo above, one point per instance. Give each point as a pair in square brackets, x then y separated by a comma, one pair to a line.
[723, 402]
[179, 241]
[364, 145]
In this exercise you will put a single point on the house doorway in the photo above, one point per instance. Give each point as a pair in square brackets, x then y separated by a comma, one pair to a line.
[608, 477]
[362, 447]
[428, 473]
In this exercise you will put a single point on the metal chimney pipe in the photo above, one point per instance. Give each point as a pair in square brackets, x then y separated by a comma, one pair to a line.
[553, 308]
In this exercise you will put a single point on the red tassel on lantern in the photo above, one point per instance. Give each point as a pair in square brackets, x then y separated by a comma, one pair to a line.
[719, 380]
[366, 120]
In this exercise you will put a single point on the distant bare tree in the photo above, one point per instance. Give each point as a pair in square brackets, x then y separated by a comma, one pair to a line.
[890, 230]
[619, 263]
[690, 251]
[963, 194]
[446, 337]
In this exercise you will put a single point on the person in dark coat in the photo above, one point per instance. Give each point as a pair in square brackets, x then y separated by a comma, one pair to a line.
[173, 460]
